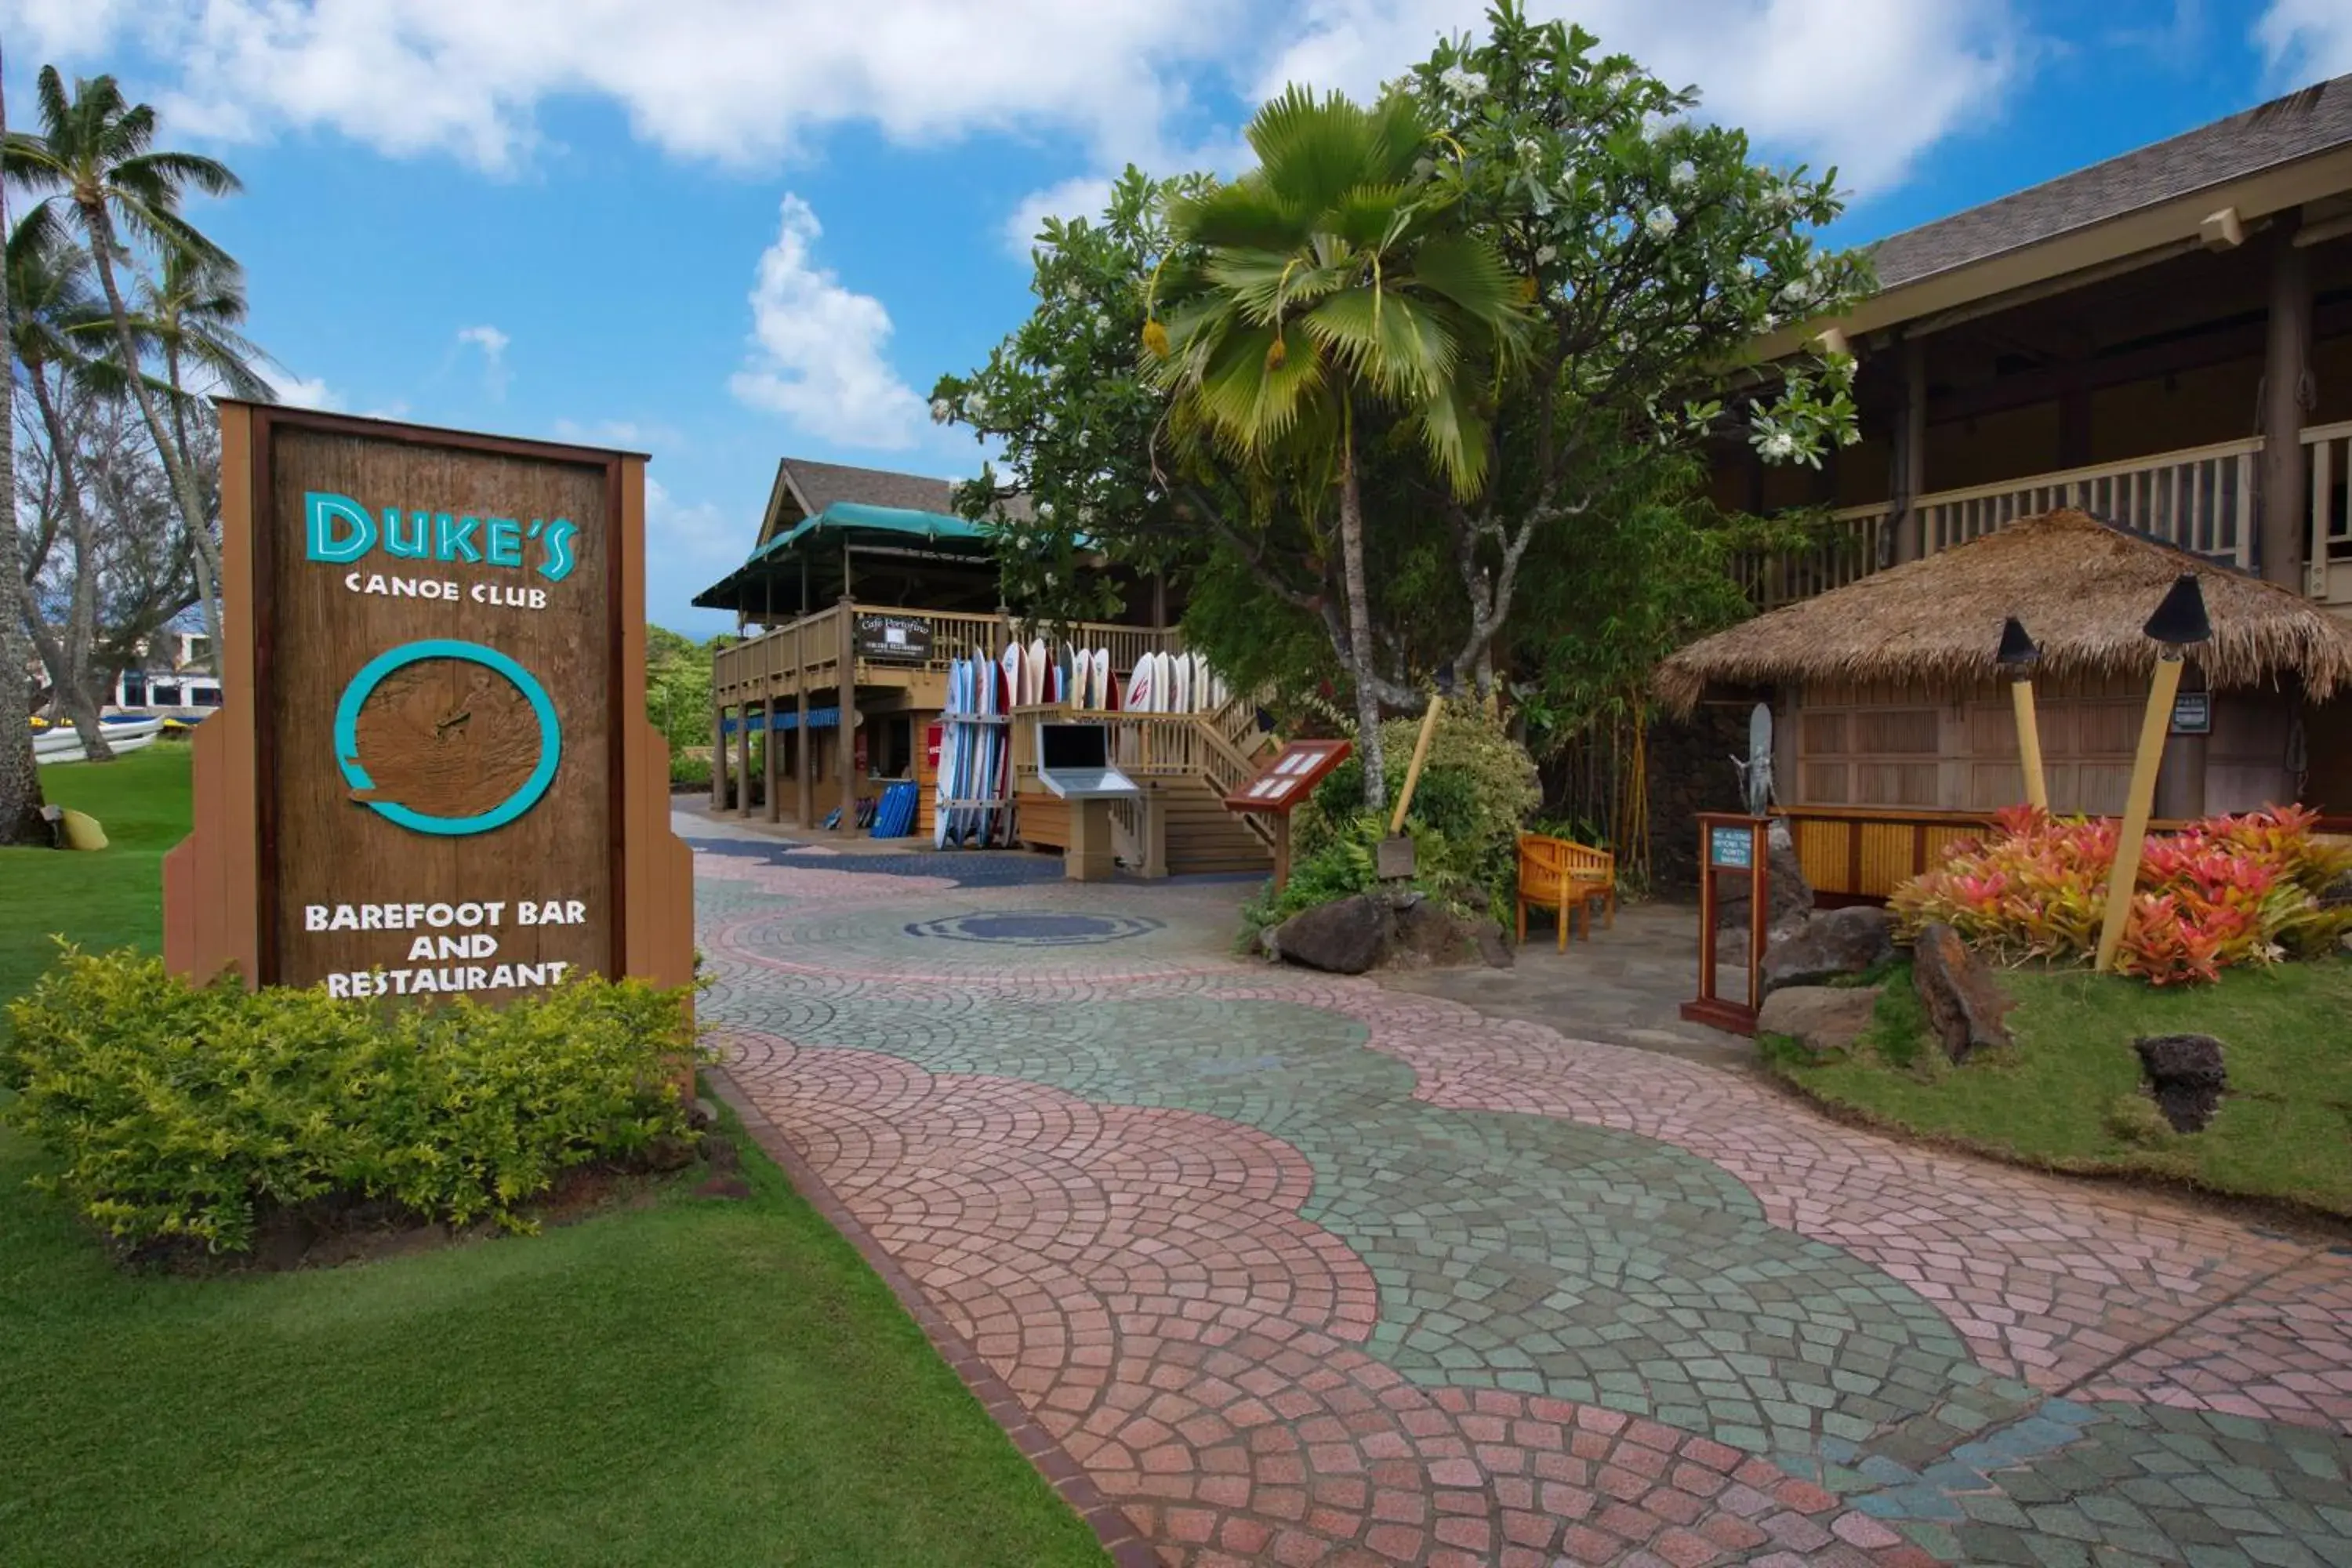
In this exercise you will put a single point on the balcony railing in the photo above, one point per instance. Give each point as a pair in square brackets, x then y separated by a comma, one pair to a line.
[2200, 500]
[809, 650]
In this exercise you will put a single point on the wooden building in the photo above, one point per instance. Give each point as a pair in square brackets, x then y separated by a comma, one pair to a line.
[1894, 732]
[861, 589]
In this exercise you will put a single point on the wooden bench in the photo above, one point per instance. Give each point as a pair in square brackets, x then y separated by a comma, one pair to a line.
[1567, 877]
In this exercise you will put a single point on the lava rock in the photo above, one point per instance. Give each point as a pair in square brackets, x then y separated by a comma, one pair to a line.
[718, 1151]
[1827, 944]
[1495, 947]
[1789, 897]
[1428, 935]
[1821, 1018]
[1965, 1005]
[702, 1113]
[2186, 1074]
[1344, 937]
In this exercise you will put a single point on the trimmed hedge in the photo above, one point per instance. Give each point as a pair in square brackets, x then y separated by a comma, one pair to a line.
[183, 1113]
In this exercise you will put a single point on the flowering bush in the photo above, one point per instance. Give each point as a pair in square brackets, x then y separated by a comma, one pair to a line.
[2225, 891]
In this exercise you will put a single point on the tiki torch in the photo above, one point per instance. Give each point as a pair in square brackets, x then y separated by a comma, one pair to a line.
[2017, 657]
[2179, 623]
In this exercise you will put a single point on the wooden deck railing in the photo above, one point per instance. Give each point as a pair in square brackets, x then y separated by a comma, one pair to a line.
[2199, 499]
[811, 646]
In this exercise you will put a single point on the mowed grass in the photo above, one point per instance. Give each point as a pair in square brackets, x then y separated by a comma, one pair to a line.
[109, 898]
[2069, 1095]
[694, 1381]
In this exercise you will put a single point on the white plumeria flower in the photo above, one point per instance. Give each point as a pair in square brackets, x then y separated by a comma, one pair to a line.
[1777, 445]
[942, 411]
[1530, 148]
[1661, 222]
[1685, 172]
[1545, 254]
[1462, 83]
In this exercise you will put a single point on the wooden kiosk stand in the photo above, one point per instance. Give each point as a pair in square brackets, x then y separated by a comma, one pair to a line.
[1734, 845]
[1285, 780]
[1074, 763]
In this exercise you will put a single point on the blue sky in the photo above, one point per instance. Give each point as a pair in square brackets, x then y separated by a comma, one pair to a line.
[725, 230]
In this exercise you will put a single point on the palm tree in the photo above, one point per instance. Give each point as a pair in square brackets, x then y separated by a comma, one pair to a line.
[54, 316]
[20, 775]
[1330, 283]
[190, 313]
[95, 153]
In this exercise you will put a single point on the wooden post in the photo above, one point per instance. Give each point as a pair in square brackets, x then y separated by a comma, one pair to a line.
[719, 758]
[1281, 820]
[767, 744]
[1736, 1017]
[845, 737]
[1910, 524]
[2029, 743]
[804, 763]
[1413, 769]
[743, 744]
[2283, 508]
[2180, 776]
[2125, 875]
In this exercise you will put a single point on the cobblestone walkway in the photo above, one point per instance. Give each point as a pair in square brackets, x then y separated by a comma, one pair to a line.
[1301, 1270]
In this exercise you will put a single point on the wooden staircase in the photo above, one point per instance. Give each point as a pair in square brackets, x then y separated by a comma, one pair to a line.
[1189, 763]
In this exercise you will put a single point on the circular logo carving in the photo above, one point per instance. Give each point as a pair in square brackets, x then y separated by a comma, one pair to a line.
[1026, 928]
[457, 738]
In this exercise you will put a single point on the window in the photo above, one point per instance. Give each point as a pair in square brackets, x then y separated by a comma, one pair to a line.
[204, 696]
[134, 688]
[166, 694]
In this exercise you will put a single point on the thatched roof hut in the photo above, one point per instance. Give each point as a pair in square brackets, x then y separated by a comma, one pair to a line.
[2083, 589]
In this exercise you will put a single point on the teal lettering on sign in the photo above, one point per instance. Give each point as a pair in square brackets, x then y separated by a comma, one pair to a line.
[339, 531]
[1731, 848]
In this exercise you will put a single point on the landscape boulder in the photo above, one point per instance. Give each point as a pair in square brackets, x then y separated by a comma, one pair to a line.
[1425, 934]
[1821, 1018]
[2185, 1073]
[1343, 937]
[1789, 897]
[1829, 943]
[1964, 1005]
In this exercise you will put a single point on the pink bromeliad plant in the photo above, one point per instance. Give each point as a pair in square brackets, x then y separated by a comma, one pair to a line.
[2225, 891]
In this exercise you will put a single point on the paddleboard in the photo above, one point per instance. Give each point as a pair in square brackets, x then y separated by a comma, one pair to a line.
[1036, 668]
[1181, 687]
[1142, 691]
[1098, 688]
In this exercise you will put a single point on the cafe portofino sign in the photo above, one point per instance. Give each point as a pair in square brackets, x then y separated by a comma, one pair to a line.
[432, 773]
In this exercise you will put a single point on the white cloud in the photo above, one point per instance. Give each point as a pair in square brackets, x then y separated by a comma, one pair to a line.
[304, 392]
[1084, 196]
[2307, 40]
[816, 348]
[742, 81]
[1864, 86]
[628, 435]
[699, 533]
[493, 344]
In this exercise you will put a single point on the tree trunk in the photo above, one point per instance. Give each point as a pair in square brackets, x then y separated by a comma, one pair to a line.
[204, 552]
[20, 776]
[1360, 626]
[71, 655]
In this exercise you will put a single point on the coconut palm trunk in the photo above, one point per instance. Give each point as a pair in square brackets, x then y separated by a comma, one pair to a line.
[1360, 620]
[20, 775]
[203, 550]
[70, 660]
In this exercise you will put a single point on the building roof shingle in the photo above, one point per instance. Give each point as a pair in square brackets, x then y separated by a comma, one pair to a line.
[2314, 120]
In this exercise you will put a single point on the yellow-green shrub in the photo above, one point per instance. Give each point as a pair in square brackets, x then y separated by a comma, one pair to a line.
[183, 1112]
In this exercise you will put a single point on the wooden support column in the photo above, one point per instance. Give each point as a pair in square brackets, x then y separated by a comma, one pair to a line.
[845, 737]
[1160, 601]
[769, 744]
[2180, 776]
[2281, 502]
[743, 741]
[1908, 480]
[804, 764]
[719, 758]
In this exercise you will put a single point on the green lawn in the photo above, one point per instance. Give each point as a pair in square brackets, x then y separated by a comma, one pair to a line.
[692, 1382]
[107, 899]
[2068, 1096]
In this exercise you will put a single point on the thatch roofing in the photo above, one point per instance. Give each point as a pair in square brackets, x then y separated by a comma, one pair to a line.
[2083, 589]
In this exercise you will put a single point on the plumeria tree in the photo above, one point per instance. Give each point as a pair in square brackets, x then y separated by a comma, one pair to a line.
[1649, 252]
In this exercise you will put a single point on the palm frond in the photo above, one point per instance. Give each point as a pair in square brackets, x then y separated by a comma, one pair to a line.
[1310, 151]
[1394, 342]
[178, 171]
[1240, 214]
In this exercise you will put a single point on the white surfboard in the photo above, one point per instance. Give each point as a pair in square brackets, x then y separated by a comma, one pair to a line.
[1098, 692]
[1034, 667]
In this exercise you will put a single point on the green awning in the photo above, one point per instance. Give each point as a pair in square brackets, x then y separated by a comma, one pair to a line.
[922, 542]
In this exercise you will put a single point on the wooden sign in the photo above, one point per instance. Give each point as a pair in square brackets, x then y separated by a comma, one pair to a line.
[1290, 778]
[2192, 713]
[1735, 843]
[894, 638]
[432, 774]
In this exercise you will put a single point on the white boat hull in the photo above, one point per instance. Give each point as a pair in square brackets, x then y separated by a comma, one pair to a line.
[62, 743]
